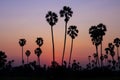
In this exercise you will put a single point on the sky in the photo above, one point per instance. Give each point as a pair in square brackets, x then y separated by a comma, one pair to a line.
[26, 19]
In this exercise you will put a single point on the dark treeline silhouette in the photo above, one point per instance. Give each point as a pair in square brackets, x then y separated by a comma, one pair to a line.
[98, 66]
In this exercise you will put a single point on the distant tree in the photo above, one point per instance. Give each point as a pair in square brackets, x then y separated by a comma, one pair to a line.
[117, 44]
[67, 13]
[96, 39]
[102, 29]
[112, 53]
[27, 54]
[38, 52]
[89, 59]
[39, 41]
[22, 42]
[95, 55]
[52, 19]
[106, 58]
[3, 59]
[72, 32]
[106, 55]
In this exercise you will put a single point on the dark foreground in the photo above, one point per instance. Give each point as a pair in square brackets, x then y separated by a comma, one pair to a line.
[58, 73]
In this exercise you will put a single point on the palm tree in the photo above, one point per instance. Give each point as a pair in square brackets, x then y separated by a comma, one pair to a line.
[52, 19]
[3, 59]
[22, 42]
[106, 55]
[39, 41]
[27, 54]
[67, 13]
[96, 39]
[72, 32]
[117, 44]
[38, 52]
[106, 58]
[112, 53]
[102, 29]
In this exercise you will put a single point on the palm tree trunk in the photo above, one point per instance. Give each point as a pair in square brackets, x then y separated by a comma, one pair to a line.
[64, 42]
[22, 57]
[53, 43]
[27, 60]
[70, 53]
[97, 56]
[39, 61]
[101, 56]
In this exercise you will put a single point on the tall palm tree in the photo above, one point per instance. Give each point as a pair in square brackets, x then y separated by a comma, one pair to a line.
[38, 52]
[39, 41]
[117, 44]
[27, 54]
[96, 39]
[102, 29]
[3, 59]
[52, 19]
[72, 32]
[22, 42]
[67, 13]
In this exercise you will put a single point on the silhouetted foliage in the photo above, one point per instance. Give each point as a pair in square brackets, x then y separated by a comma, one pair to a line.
[3, 59]
[38, 52]
[117, 44]
[39, 41]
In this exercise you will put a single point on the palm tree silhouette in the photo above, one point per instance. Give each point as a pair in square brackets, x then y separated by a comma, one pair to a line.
[3, 59]
[72, 32]
[112, 53]
[106, 58]
[102, 29]
[27, 54]
[67, 13]
[106, 55]
[22, 42]
[52, 19]
[96, 39]
[117, 44]
[38, 52]
[39, 41]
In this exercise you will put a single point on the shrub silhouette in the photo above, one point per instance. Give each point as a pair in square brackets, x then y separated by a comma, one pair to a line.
[3, 59]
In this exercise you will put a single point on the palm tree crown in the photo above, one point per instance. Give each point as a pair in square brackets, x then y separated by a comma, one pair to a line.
[117, 42]
[28, 53]
[94, 34]
[66, 12]
[51, 18]
[38, 52]
[39, 41]
[22, 42]
[73, 31]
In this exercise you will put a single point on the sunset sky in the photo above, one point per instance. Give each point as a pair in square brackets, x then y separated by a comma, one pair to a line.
[26, 19]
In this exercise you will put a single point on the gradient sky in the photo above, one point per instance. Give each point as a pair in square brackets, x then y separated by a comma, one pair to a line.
[26, 19]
